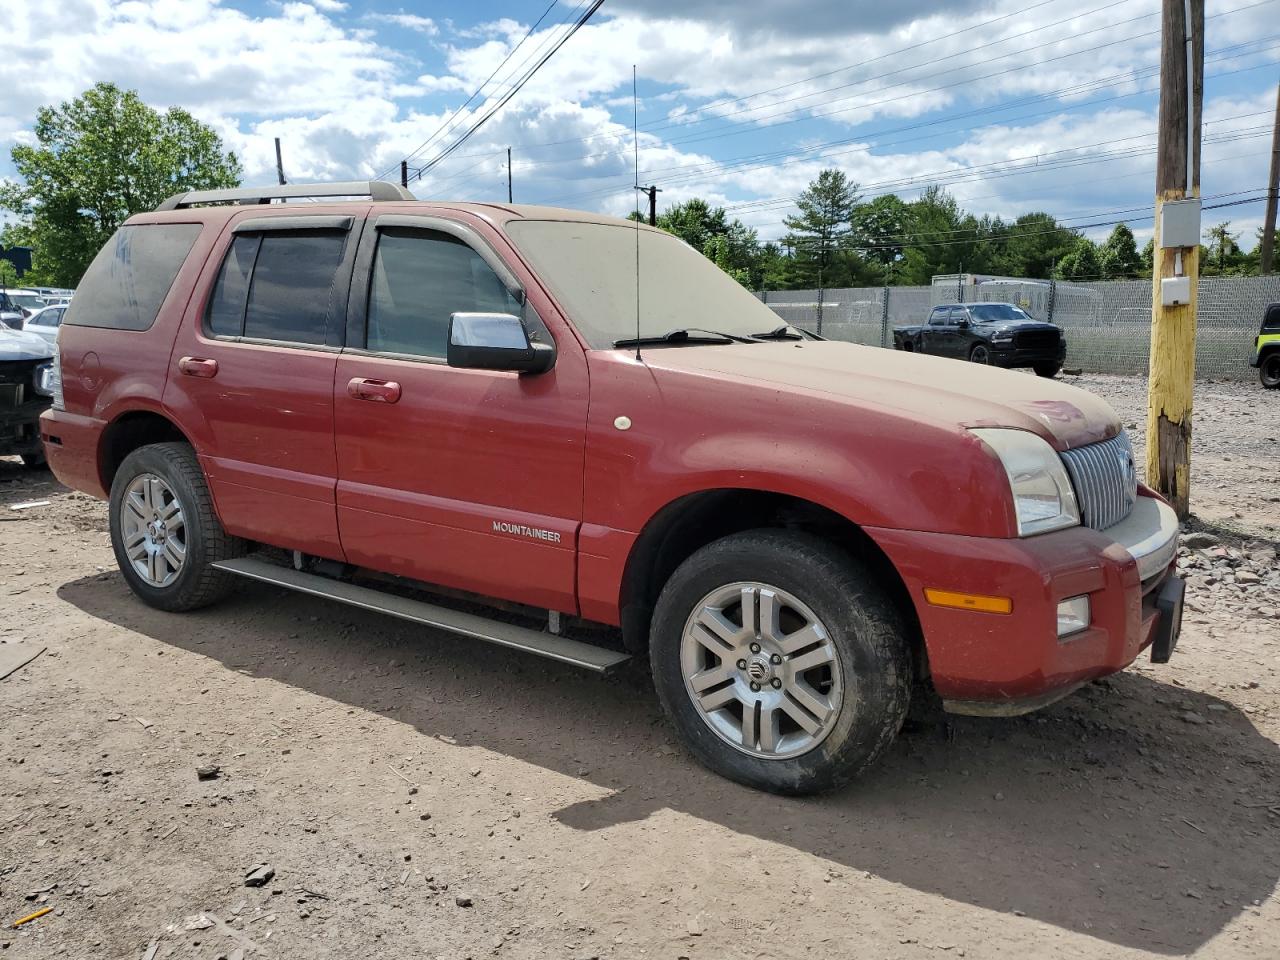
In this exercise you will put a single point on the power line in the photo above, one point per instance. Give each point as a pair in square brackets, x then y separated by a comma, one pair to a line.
[688, 172]
[527, 76]
[660, 125]
[477, 92]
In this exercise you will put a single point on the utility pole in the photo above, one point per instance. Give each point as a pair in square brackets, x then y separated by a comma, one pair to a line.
[652, 193]
[1176, 262]
[509, 200]
[279, 164]
[404, 174]
[1269, 223]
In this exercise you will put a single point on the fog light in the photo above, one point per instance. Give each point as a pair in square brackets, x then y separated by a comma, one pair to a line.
[1073, 616]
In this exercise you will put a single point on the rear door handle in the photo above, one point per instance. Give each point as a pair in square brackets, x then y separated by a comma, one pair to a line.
[379, 391]
[198, 367]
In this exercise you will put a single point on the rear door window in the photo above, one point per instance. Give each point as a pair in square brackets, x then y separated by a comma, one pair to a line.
[128, 280]
[279, 285]
[939, 315]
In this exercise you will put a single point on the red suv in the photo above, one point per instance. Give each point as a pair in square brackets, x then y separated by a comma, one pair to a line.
[438, 410]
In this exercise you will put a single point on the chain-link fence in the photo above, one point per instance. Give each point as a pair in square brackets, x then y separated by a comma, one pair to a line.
[1107, 324]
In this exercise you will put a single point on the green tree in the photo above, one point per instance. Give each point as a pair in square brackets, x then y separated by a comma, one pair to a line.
[719, 252]
[1081, 263]
[1031, 245]
[878, 228]
[1118, 256]
[98, 160]
[1148, 256]
[945, 239]
[1222, 254]
[697, 223]
[822, 229]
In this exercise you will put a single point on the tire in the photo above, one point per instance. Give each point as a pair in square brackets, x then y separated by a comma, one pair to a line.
[192, 582]
[868, 675]
[1269, 370]
[1047, 370]
[34, 461]
[980, 353]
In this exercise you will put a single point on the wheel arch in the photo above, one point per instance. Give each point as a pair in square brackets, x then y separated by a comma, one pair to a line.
[692, 521]
[129, 431]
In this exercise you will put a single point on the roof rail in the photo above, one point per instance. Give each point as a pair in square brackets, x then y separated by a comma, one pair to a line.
[376, 190]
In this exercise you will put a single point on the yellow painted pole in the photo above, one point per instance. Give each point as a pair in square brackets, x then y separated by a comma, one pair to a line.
[1173, 328]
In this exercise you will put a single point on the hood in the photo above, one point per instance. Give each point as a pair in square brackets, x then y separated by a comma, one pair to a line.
[20, 345]
[999, 326]
[934, 390]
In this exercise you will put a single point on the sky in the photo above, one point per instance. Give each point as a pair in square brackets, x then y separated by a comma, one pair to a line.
[1012, 105]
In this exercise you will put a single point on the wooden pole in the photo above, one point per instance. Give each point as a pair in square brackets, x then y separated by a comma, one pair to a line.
[1266, 252]
[1173, 328]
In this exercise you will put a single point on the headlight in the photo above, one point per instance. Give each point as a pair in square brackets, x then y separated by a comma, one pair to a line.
[44, 379]
[1043, 498]
[48, 381]
[1002, 338]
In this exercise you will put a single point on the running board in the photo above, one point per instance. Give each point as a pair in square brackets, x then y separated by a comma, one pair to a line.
[586, 655]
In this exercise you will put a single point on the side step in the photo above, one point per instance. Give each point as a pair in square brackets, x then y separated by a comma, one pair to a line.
[586, 655]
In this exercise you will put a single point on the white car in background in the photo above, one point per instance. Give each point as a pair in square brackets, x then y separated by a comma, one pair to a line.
[45, 323]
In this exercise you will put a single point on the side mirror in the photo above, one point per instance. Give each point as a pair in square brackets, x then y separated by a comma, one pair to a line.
[495, 341]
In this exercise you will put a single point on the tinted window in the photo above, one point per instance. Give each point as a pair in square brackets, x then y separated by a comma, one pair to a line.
[130, 277]
[292, 289]
[940, 315]
[1271, 324]
[226, 307]
[419, 280]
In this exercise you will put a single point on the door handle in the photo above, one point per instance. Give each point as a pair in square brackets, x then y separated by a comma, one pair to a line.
[379, 391]
[198, 367]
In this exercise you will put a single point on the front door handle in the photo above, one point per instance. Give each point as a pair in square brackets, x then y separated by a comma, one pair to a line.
[198, 367]
[379, 391]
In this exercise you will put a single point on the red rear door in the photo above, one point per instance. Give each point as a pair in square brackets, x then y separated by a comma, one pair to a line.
[464, 478]
[252, 375]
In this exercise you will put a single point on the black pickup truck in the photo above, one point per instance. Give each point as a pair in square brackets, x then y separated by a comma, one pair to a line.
[994, 333]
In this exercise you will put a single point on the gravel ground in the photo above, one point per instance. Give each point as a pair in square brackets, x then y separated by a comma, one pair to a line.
[417, 795]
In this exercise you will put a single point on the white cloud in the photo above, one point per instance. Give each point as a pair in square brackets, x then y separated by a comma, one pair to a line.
[352, 101]
[410, 21]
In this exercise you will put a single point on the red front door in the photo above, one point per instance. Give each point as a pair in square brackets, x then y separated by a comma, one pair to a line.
[463, 478]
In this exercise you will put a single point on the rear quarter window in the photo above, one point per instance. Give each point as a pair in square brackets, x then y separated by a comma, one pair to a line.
[131, 275]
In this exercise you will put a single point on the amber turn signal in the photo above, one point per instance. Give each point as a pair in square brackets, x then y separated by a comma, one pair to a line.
[968, 601]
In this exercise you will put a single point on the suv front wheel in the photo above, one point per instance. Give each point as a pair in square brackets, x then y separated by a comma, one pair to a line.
[780, 662]
[164, 530]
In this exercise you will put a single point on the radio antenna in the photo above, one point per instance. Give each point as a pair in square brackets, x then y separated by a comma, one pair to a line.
[635, 139]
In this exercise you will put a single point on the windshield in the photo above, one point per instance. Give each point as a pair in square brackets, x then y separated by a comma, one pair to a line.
[996, 312]
[591, 270]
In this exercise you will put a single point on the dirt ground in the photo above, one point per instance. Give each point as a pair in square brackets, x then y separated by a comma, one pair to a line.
[391, 777]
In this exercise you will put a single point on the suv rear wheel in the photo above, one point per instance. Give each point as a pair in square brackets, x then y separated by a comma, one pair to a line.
[1047, 370]
[1269, 370]
[164, 531]
[780, 662]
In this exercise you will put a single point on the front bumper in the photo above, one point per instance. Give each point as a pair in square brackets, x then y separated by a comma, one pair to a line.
[1007, 355]
[20, 428]
[990, 663]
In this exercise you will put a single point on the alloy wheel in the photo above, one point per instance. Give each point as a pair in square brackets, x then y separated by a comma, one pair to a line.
[153, 528]
[761, 670]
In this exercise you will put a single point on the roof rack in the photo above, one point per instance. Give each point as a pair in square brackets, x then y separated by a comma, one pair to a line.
[376, 190]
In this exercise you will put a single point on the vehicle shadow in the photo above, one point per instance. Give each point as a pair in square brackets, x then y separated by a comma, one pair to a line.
[1107, 815]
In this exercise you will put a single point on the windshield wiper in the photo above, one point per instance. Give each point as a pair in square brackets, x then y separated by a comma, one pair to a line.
[787, 332]
[684, 335]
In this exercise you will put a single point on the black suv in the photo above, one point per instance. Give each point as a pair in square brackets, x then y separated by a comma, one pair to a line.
[995, 333]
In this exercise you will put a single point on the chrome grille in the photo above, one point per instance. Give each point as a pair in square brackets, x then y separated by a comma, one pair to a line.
[1105, 480]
